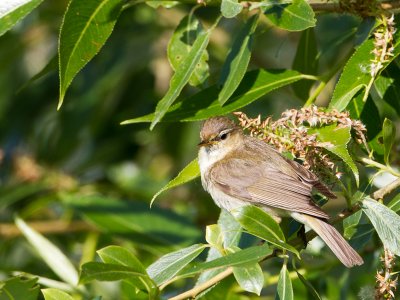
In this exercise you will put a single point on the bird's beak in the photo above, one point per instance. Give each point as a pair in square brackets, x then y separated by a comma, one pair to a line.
[203, 143]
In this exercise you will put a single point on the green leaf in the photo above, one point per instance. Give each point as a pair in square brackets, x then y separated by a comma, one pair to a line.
[182, 75]
[308, 286]
[356, 74]
[389, 134]
[85, 29]
[231, 229]
[284, 290]
[230, 8]
[56, 294]
[305, 62]
[388, 88]
[190, 172]
[386, 223]
[121, 256]
[144, 227]
[180, 45]
[250, 277]
[243, 257]
[235, 65]
[106, 272]
[394, 204]
[51, 255]
[19, 288]
[214, 236]
[204, 104]
[296, 16]
[335, 140]
[259, 223]
[52, 65]
[14, 11]
[170, 264]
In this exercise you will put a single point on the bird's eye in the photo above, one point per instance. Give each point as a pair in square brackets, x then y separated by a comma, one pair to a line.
[223, 136]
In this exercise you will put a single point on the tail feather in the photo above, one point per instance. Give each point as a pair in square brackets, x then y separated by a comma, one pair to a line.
[334, 240]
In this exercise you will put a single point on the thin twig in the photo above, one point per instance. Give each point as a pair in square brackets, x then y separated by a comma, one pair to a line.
[10, 230]
[198, 289]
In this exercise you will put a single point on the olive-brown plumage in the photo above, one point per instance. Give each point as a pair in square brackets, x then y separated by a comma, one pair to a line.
[238, 170]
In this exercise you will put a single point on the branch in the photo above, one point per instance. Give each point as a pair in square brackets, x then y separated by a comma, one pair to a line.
[10, 230]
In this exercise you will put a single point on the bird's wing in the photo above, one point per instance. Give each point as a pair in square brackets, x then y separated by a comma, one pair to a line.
[260, 184]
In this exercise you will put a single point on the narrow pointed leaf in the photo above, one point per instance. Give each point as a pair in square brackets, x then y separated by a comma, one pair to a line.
[85, 29]
[13, 11]
[296, 16]
[357, 73]
[52, 255]
[182, 76]
[106, 272]
[335, 140]
[240, 258]
[259, 223]
[284, 289]
[306, 62]
[386, 223]
[190, 172]
[235, 65]
[170, 264]
[309, 286]
[250, 277]
[180, 45]
[205, 104]
[56, 294]
[389, 134]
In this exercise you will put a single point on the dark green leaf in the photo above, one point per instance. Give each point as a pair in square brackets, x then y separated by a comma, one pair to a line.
[230, 8]
[296, 16]
[15, 11]
[335, 140]
[250, 277]
[170, 264]
[180, 45]
[19, 288]
[56, 294]
[284, 290]
[308, 286]
[305, 62]
[239, 258]
[143, 226]
[182, 75]
[235, 65]
[190, 172]
[105, 272]
[389, 134]
[204, 104]
[387, 86]
[259, 223]
[85, 28]
[386, 223]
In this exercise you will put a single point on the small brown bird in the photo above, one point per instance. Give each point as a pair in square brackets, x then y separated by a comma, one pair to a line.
[238, 170]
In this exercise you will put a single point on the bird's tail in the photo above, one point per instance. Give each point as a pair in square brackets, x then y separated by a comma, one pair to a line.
[335, 241]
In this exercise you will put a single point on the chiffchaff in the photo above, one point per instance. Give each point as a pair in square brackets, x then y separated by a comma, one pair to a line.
[239, 170]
